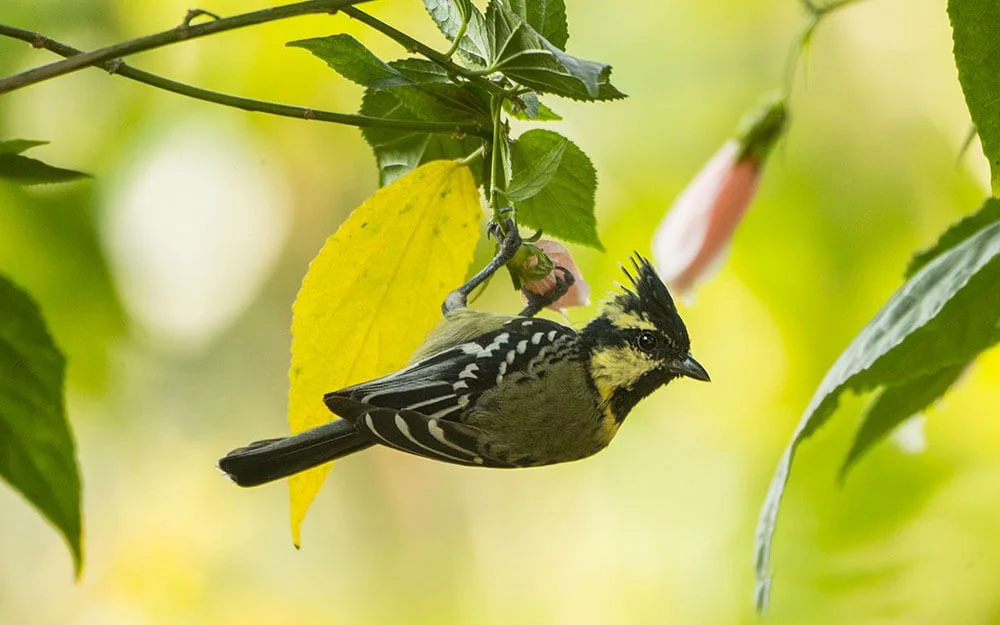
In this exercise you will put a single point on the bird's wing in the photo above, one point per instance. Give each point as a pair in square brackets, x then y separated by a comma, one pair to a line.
[416, 433]
[442, 384]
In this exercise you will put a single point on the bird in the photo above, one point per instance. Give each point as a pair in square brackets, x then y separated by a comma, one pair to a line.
[501, 391]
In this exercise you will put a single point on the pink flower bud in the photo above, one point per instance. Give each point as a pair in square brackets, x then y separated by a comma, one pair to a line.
[694, 236]
[578, 293]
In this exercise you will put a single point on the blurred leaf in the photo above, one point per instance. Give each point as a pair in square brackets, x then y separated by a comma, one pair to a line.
[560, 202]
[958, 232]
[16, 146]
[941, 317]
[67, 274]
[533, 110]
[26, 171]
[449, 15]
[374, 291]
[352, 60]
[976, 30]
[399, 152]
[896, 404]
[37, 454]
[521, 54]
[547, 17]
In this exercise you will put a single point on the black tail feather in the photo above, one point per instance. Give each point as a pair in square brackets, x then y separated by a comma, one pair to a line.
[272, 459]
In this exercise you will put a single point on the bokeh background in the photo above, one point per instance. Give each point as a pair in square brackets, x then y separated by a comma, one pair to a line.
[168, 281]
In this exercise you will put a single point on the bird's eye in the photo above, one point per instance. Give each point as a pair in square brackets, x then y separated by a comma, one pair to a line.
[647, 341]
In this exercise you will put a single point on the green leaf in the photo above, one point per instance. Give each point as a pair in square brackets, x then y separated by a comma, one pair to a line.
[37, 456]
[530, 108]
[893, 406]
[958, 232]
[446, 102]
[352, 60]
[420, 71]
[399, 151]
[449, 15]
[976, 30]
[560, 202]
[943, 316]
[547, 17]
[27, 171]
[537, 173]
[524, 56]
[16, 146]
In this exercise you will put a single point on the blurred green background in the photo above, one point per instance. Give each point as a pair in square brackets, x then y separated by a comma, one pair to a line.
[168, 281]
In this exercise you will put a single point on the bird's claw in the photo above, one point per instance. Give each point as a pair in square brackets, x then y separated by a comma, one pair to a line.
[536, 301]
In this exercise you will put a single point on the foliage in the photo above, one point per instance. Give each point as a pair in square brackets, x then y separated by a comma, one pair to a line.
[24, 170]
[37, 456]
[936, 324]
[439, 127]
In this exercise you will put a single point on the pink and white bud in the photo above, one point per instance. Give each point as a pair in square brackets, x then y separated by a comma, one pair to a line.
[578, 293]
[691, 241]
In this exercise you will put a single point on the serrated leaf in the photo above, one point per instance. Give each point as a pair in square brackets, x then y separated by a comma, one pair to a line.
[524, 56]
[941, 317]
[894, 405]
[399, 152]
[538, 172]
[37, 453]
[976, 31]
[16, 146]
[444, 102]
[352, 60]
[420, 71]
[374, 291]
[547, 17]
[564, 206]
[449, 15]
[988, 213]
[27, 171]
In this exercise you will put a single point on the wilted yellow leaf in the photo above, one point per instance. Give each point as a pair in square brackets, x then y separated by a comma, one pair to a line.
[374, 291]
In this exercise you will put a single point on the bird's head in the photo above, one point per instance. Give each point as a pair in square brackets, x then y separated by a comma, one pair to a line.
[638, 342]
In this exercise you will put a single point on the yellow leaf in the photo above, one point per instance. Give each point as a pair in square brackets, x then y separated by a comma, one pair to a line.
[373, 292]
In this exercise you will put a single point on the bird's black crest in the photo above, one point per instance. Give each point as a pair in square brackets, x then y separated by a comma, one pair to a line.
[648, 297]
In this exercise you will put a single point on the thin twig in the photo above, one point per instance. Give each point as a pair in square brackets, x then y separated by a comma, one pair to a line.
[182, 32]
[412, 45]
[116, 66]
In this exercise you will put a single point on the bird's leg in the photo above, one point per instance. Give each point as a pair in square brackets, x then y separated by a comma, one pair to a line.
[537, 302]
[509, 245]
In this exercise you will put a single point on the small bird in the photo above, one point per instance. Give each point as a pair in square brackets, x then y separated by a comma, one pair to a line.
[503, 391]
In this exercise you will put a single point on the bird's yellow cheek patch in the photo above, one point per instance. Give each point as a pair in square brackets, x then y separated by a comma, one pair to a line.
[618, 367]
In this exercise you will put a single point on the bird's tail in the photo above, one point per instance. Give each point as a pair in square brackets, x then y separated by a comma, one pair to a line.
[268, 460]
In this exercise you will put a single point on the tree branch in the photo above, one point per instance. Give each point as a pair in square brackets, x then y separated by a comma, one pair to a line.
[119, 67]
[412, 45]
[182, 32]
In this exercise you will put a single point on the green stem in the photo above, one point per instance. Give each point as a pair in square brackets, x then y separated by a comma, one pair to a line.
[496, 110]
[183, 32]
[116, 66]
[477, 153]
[458, 37]
[816, 14]
[412, 45]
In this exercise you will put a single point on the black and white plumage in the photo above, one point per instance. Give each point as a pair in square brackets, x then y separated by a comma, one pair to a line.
[499, 391]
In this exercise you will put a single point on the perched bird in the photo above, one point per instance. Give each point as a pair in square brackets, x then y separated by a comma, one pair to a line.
[500, 391]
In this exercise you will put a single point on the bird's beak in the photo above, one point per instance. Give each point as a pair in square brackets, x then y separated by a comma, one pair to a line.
[692, 368]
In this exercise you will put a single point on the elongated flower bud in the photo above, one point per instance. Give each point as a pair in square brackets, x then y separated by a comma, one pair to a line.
[557, 256]
[695, 234]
